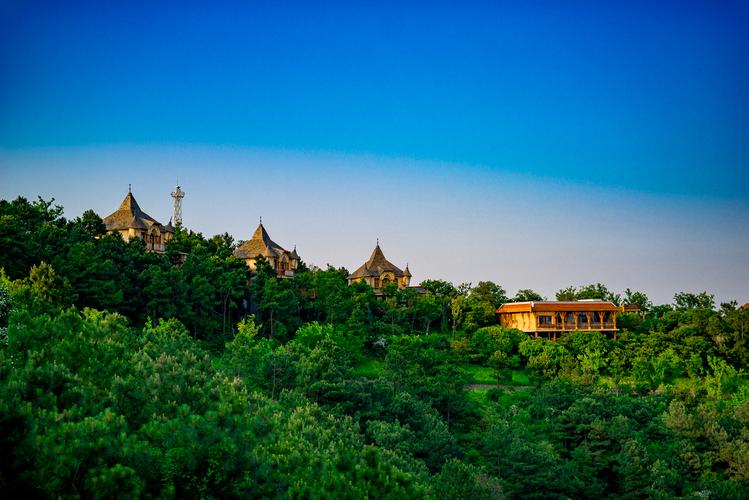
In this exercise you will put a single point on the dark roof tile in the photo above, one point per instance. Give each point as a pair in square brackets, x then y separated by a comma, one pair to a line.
[129, 215]
[376, 265]
[260, 244]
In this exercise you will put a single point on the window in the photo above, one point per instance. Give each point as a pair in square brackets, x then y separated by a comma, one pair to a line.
[582, 319]
[377, 283]
[544, 320]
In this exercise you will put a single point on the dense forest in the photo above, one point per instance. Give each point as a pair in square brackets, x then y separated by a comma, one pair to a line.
[125, 373]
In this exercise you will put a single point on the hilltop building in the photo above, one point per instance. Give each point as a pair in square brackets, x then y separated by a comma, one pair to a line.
[378, 272]
[129, 221]
[634, 309]
[280, 259]
[554, 317]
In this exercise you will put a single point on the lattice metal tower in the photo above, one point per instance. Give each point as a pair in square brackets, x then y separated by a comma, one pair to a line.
[177, 195]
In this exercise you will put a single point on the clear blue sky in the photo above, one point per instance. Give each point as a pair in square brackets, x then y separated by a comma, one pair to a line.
[601, 132]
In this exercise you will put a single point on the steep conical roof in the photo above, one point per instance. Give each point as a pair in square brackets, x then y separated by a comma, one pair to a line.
[129, 215]
[376, 265]
[259, 244]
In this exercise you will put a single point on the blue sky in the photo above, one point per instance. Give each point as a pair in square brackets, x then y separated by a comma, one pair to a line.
[534, 144]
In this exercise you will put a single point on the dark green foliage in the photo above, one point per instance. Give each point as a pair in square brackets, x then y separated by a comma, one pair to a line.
[688, 300]
[124, 373]
[637, 298]
[93, 408]
[527, 295]
[29, 233]
[484, 342]
[592, 291]
[73, 263]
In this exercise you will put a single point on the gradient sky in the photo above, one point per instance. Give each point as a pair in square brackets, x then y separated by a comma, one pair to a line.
[535, 145]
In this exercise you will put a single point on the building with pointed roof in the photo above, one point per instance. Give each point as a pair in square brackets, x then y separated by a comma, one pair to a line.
[378, 272]
[129, 221]
[280, 259]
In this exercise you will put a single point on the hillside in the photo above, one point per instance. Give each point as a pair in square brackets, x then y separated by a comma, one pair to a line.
[127, 373]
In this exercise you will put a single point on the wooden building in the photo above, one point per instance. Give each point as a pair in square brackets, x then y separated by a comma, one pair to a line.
[129, 221]
[634, 309]
[554, 317]
[280, 259]
[378, 272]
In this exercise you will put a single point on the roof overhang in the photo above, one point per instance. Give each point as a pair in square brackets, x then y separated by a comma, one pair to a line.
[553, 306]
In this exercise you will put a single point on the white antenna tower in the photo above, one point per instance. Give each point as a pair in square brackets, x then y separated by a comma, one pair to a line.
[178, 194]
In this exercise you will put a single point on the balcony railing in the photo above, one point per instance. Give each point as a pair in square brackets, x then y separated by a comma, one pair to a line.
[594, 325]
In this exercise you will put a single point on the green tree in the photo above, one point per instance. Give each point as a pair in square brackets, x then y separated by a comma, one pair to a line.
[592, 291]
[638, 298]
[29, 233]
[89, 224]
[527, 295]
[442, 293]
[460, 480]
[688, 300]
[48, 290]
[487, 291]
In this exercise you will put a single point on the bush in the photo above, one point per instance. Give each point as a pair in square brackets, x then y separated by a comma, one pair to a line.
[486, 341]
[495, 394]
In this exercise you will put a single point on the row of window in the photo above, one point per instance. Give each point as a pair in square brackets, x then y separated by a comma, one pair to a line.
[582, 318]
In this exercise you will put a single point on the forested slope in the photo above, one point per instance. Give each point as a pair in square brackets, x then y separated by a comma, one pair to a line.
[126, 373]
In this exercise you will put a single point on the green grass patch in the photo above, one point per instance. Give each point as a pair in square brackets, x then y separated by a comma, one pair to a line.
[485, 375]
[518, 398]
[480, 374]
[371, 368]
[479, 396]
[520, 377]
[507, 397]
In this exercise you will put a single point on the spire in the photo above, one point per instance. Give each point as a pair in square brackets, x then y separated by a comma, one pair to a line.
[129, 188]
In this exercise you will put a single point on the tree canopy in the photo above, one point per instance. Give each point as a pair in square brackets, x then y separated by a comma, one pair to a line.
[129, 373]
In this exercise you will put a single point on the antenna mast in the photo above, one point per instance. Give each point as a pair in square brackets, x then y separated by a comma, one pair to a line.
[177, 195]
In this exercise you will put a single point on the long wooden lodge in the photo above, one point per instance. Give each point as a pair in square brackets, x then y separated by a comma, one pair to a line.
[555, 317]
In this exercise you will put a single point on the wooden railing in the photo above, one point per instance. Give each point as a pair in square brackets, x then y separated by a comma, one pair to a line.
[594, 325]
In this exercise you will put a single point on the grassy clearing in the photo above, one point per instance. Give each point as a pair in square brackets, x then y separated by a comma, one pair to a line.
[480, 374]
[520, 377]
[485, 375]
[507, 397]
[371, 368]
